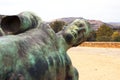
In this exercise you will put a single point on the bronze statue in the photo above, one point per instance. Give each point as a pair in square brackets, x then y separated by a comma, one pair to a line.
[40, 53]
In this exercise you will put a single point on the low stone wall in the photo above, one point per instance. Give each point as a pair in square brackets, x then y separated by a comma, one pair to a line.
[101, 44]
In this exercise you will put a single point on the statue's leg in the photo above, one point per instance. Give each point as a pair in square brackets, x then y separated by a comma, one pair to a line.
[72, 73]
[75, 74]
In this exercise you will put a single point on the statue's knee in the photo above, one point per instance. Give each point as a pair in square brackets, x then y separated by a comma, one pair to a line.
[76, 74]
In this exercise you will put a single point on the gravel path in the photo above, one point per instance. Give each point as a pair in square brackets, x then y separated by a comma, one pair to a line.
[96, 63]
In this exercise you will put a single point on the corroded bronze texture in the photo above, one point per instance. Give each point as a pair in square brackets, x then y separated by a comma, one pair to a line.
[14, 24]
[40, 53]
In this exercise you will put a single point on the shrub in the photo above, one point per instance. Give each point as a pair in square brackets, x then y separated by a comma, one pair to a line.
[57, 25]
[92, 36]
[104, 33]
[116, 36]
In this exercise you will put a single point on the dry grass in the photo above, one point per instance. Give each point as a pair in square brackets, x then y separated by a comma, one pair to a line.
[101, 44]
[96, 63]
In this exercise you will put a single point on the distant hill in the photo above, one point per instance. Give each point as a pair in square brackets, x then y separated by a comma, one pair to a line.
[95, 24]
[69, 19]
[115, 25]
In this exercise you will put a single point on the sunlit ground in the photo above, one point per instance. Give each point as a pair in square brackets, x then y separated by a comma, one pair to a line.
[96, 63]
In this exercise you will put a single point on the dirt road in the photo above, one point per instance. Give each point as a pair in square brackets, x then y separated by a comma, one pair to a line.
[96, 63]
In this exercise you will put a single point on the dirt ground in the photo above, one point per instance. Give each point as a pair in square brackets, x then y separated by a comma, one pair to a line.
[96, 63]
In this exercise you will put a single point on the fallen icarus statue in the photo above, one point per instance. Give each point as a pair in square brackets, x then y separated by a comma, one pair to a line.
[39, 53]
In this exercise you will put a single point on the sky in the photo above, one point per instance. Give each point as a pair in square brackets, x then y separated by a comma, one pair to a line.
[104, 10]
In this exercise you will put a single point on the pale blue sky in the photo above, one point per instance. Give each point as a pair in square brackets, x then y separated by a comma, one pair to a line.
[105, 10]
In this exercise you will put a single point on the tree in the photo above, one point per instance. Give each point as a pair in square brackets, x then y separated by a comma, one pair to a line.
[57, 25]
[104, 33]
[116, 36]
[92, 36]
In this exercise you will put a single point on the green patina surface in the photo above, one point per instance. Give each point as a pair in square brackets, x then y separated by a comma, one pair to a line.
[40, 53]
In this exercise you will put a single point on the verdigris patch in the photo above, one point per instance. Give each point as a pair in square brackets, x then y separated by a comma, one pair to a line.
[40, 53]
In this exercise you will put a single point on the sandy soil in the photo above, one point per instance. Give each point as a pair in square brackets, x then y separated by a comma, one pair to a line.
[96, 63]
